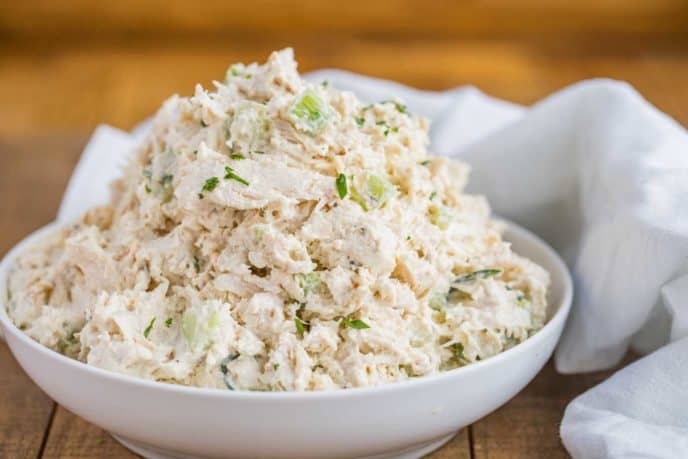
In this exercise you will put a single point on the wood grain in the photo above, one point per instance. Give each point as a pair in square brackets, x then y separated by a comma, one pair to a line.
[528, 426]
[72, 437]
[67, 66]
[24, 411]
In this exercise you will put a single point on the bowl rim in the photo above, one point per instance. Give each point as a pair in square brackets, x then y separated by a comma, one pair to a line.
[533, 342]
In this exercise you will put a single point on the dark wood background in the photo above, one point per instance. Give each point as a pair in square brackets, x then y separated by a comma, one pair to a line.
[67, 66]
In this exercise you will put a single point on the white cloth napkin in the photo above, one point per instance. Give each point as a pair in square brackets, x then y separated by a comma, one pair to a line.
[600, 174]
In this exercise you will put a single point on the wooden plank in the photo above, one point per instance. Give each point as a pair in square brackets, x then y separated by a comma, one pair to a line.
[72, 437]
[24, 410]
[528, 426]
[87, 20]
[458, 448]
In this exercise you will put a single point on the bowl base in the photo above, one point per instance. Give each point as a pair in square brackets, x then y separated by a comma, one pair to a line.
[413, 452]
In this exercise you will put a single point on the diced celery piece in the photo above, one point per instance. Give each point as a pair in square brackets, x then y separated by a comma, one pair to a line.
[380, 190]
[189, 326]
[310, 283]
[438, 301]
[310, 112]
[440, 216]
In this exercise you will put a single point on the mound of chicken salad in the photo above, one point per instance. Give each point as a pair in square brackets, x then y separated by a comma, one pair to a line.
[280, 235]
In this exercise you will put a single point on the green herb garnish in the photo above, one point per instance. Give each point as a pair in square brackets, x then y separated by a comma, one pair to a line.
[457, 351]
[148, 329]
[168, 322]
[301, 326]
[237, 156]
[433, 195]
[275, 366]
[230, 175]
[342, 189]
[225, 361]
[204, 124]
[209, 185]
[197, 264]
[401, 108]
[521, 301]
[385, 131]
[224, 370]
[480, 274]
[148, 189]
[424, 163]
[357, 324]
[359, 121]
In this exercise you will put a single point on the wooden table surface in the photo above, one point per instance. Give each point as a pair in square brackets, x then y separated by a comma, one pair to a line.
[66, 68]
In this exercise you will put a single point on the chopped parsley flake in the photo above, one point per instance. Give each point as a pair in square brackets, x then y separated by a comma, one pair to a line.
[480, 274]
[148, 189]
[342, 189]
[359, 121]
[433, 195]
[204, 124]
[424, 163]
[357, 324]
[275, 366]
[168, 322]
[301, 326]
[401, 108]
[230, 175]
[521, 301]
[148, 329]
[385, 129]
[224, 370]
[225, 361]
[197, 264]
[457, 351]
[210, 184]
[237, 156]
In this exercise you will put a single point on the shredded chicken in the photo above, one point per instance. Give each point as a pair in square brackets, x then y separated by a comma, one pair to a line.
[280, 235]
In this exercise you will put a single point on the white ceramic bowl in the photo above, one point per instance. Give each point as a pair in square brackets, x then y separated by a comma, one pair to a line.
[407, 419]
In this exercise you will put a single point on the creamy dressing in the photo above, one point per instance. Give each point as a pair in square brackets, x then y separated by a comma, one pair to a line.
[280, 235]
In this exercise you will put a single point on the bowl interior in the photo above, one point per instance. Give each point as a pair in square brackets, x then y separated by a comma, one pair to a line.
[523, 241]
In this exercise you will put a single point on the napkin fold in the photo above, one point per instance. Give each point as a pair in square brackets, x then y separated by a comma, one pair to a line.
[602, 176]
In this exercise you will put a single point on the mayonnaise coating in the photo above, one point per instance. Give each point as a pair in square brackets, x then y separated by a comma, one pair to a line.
[276, 234]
